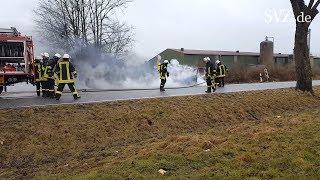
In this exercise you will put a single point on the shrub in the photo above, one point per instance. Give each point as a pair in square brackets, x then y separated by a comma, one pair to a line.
[250, 74]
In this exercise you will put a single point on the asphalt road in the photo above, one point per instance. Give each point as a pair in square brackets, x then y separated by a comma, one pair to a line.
[29, 99]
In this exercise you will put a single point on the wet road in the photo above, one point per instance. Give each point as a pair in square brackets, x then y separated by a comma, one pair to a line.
[28, 99]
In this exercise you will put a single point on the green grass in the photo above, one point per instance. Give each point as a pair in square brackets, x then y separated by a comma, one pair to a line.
[275, 148]
[254, 135]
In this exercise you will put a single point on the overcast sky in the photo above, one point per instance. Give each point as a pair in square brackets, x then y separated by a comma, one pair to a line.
[191, 24]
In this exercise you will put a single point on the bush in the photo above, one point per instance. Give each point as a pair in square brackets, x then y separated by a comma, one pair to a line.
[251, 74]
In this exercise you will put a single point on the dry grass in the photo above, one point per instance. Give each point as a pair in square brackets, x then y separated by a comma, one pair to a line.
[244, 74]
[316, 72]
[264, 134]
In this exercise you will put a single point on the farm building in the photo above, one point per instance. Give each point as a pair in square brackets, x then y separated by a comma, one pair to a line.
[315, 61]
[229, 58]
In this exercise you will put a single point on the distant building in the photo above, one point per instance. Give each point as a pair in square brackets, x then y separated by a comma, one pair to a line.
[315, 61]
[229, 58]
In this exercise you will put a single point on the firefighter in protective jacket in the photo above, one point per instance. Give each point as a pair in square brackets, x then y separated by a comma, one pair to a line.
[38, 74]
[56, 59]
[221, 73]
[44, 79]
[49, 75]
[210, 75]
[66, 73]
[163, 70]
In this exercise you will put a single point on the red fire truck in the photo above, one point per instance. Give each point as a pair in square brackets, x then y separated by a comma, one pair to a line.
[16, 58]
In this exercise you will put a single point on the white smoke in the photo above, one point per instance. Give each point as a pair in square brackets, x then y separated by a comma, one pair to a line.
[98, 70]
[112, 73]
[107, 72]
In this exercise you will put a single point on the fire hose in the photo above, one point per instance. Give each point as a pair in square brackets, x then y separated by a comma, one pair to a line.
[121, 90]
[138, 89]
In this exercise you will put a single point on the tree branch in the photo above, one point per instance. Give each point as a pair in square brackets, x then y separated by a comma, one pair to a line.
[315, 5]
[311, 4]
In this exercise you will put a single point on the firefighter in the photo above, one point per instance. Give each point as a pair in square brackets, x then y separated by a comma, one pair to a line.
[56, 59]
[44, 80]
[66, 73]
[49, 75]
[38, 73]
[221, 73]
[210, 75]
[163, 70]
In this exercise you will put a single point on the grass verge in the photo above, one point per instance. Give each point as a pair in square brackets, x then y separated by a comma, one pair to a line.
[264, 134]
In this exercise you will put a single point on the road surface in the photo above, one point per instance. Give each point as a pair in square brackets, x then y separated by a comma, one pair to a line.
[29, 99]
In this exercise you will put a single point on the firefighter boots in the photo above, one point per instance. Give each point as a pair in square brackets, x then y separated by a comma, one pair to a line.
[209, 90]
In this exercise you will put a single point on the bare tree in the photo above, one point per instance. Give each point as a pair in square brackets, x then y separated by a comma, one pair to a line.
[70, 23]
[304, 15]
[117, 38]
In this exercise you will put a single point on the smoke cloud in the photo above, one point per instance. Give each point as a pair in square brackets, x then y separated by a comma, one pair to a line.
[98, 70]
[131, 72]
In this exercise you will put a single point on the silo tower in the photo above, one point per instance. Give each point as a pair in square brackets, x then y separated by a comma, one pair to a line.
[267, 52]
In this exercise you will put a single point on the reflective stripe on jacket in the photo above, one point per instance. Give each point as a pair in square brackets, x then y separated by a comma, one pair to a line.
[65, 71]
[163, 71]
[48, 74]
[210, 70]
[38, 71]
[221, 71]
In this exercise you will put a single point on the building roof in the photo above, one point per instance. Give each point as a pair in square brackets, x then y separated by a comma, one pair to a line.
[222, 53]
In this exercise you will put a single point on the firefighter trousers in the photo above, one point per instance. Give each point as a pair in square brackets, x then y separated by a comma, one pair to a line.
[72, 88]
[220, 80]
[38, 85]
[211, 84]
[50, 87]
[44, 85]
[163, 83]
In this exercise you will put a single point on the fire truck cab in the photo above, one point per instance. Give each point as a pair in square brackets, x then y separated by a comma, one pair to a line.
[16, 58]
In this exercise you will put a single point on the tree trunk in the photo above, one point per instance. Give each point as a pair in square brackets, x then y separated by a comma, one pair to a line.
[302, 58]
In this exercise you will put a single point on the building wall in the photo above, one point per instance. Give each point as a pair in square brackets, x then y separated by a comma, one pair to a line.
[282, 60]
[252, 60]
[315, 62]
[166, 55]
[191, 60]
[169, 54]
[229, 61]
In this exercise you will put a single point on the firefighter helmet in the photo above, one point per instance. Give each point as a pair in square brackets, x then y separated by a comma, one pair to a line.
[37, 59]
[166, 62]
[66, 56]
[46, 55]
[218, 61]
[57, 55]
[206, 59]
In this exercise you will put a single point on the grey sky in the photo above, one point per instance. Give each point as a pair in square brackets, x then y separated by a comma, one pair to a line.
[192, 24]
